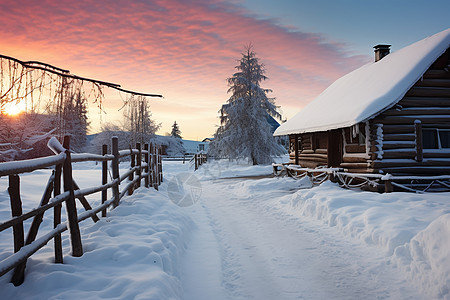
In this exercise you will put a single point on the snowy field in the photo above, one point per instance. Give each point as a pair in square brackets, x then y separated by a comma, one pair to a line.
[242, 238]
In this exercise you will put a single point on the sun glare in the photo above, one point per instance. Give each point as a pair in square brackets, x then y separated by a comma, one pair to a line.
[14, 109]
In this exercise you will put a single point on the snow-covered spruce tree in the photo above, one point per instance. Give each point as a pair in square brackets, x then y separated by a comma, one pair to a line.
[244, 131]
[176, 132]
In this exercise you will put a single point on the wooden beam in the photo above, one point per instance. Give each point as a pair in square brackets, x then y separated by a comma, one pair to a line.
[296, 149]
[424, 102]
[428, 92]
[419, 142]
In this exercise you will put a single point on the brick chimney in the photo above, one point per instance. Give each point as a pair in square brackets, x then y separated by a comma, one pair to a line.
[381, 51]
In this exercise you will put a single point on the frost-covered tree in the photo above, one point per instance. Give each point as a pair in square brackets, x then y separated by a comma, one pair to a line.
[176, 132]
[25, 136]
[244, 131]
[138, 120]
[75, 121]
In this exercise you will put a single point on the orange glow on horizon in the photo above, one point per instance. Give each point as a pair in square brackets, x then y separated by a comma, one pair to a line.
[14, 108]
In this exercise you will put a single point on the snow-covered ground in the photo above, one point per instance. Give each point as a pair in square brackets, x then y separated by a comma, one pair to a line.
[243, 238]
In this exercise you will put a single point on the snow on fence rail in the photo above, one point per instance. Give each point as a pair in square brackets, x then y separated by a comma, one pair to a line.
[373, 182]
[145, 164]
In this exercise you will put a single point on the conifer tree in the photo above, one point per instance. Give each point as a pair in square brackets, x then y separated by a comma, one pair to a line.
[244, 131]
[176, 132]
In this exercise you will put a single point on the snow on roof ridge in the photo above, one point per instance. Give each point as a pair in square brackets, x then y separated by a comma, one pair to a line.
[368, 90]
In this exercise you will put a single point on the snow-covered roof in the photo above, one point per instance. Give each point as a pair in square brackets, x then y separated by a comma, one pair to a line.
[369, 90]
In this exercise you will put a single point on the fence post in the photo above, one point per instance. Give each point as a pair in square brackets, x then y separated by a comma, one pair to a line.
[115, 169]
[195, 162]
[57, 216]
[74, 229]
[131, 176]
[155, 167]
[388, 187]
[16, 210]
[152, 175]
[147, 177]
[19, 271]
[104, 178]
[160, 173]
[139, 164]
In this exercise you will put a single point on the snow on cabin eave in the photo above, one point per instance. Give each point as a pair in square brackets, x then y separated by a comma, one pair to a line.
[412, 61]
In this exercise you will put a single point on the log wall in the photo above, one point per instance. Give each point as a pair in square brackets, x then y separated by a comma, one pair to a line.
[427, 101]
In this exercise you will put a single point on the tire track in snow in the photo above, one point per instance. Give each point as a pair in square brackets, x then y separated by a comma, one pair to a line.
[267, 254]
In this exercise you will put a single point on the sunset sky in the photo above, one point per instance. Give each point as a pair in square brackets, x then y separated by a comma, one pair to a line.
[185, 50]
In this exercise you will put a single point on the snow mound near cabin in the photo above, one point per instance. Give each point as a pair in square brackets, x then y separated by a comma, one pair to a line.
[412, 229]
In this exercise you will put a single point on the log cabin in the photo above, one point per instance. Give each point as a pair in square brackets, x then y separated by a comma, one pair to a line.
[391, 115]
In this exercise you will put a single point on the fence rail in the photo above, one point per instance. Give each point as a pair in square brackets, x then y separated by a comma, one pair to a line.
[146, 164]
[367, 181]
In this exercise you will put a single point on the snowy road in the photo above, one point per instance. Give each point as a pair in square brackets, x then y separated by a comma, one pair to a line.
[243, 248]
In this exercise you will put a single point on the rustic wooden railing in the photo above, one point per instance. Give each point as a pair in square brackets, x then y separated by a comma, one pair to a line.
[367, 181]
[146, 164]
[199, 159]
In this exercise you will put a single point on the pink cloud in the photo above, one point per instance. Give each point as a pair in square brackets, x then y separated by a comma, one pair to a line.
[182, 49]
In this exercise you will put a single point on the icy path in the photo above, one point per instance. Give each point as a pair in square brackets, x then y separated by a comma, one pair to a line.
[243, 248]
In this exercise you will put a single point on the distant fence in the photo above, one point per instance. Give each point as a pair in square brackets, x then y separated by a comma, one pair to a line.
[146, 164]
[199, 159]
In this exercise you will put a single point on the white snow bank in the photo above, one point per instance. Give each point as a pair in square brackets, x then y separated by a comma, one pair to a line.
[413, 230]
[368, 90]
[425, 258]
[132, 254]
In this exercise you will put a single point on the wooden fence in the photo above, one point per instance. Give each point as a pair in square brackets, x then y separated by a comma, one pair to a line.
[366, 181]
[199, 159]
[146, 164]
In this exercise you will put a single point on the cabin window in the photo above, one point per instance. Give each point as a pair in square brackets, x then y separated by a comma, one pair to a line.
[435, 138]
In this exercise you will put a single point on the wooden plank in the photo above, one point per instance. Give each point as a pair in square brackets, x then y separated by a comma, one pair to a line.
[400, 153]
[418, 111]
[57, 216]
[354, 165]
[147, 161]
[131, 176]
[388, 145]
[399, 137]
[296, 150]
[428, 92]
[355, 148]
[84, 201]
[16, 210]
[19, 271]
[424, 102]
[104, 178]
[115, 169]
[425, 119]
[419, 143]
[313, 156]
[409, 128]
[354, 159]
[322, 151]
[139, 164]
[434, 82]
[436, 74]
[72, 216]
